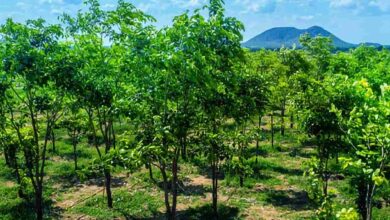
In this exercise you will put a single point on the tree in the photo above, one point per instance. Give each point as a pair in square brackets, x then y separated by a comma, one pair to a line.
[32, 99]
[368, 128]
[222, 39]
[257, 85]
[76, 127]
[319, 89]
[99, 82]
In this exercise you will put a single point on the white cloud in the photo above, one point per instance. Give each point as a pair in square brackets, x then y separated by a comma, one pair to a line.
[382, 5]
[56, 11]
[306, 17]
[344, 3]
[188, 3]
[365, 7]
[60, 2]
[254, 6]
[51, 1]
[23, 6]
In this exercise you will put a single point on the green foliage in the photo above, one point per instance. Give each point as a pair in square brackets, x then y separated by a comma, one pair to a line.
[347, 214]
[127, 95]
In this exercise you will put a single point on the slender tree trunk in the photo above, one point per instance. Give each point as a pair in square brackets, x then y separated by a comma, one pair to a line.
[75, 155]
[53, 141]
[107, 175]
[282, 115]
[7, 158]
[166, 192]
[113, 135]
[258, 139]
[174, 187]
[326, 177]
[215, 189]
[368, 201]
[39, 201]
[272, 129]
[241, 181]
[368, 211]
[184, 147]
[40, 168]
[242, 145]
[21, 194]
[339, 145]
[151, 172]
[292, 121]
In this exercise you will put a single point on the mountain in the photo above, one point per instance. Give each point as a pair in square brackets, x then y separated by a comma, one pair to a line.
[277, 37]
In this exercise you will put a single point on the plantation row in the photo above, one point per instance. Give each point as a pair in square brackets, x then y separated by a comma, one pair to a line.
[188, 91]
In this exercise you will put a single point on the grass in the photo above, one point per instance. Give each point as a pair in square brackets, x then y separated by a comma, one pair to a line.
[138, 204]
[276, 190]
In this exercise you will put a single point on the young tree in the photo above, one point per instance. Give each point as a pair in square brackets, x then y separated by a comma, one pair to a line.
[100, 84]
[368, 130]
[319, 89]
[76, 127]
[32, 99]
[216, 95]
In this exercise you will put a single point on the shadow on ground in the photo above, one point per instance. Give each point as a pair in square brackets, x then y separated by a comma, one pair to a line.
[202, 212]
[291, 199]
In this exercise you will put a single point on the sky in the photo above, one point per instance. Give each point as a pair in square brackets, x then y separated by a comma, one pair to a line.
[354, 21]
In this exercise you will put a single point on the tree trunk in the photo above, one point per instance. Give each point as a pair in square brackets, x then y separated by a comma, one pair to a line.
[39, 202]
[326, 177]
[241, 181]
[368, 201]
[166, 192]
[21, 194]
[107, 175]
[184, 147]
[113, 135]
[174, 188]
[272, 129]
[53, 141]
[292, 121]
[368, 211]
[282, 115]
[215, 189]
[6, 157]
[151, 172]
[257, 140]
[75, 155]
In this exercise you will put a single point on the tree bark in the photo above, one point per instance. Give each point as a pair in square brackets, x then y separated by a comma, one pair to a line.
[107, 175]
[39, 202]
[7, 158]
[174, 187]
[75, 155]
[166, 192]
[151, 172]
[215, 189]
[53, 141]
[272, 129]
[257, 140]
[282, 115]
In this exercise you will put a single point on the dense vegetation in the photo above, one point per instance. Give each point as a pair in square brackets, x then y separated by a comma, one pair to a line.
[105, 103]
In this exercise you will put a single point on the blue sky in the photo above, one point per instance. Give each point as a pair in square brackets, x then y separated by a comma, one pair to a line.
[352, 20]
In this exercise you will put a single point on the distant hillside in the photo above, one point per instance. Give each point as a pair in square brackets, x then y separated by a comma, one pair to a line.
[277, 37]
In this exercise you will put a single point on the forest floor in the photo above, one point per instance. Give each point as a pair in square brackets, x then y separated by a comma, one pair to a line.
[276, 191]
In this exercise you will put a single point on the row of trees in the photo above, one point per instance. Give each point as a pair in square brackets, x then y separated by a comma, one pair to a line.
[186, 90]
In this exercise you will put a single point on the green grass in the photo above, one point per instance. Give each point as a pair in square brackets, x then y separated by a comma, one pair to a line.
[127, 204]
